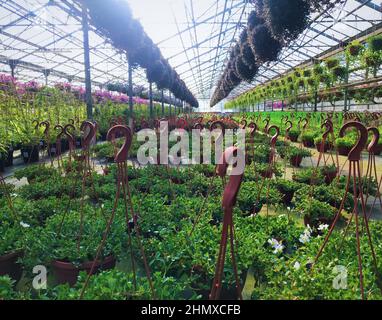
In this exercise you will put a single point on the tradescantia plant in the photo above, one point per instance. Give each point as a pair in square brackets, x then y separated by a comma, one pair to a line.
[117, 285]
[60, 242]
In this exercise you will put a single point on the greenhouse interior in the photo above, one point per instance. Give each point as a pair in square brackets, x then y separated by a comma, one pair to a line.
[190, 150]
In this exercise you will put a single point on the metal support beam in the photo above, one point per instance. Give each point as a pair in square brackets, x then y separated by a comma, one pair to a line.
[151, 100]
[88, 84]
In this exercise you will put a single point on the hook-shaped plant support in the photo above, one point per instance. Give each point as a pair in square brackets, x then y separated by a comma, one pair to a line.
[266, 121]
[243, 123]
[59, 136]
[371, 171]
[122, 187]
[273, 144]
[288, 129]
[46, 133]
[229, 200]
[354, 158]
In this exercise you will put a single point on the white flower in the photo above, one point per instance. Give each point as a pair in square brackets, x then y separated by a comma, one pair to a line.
[296, 265]
[304, 238]
[323, 227]
[273, 242]
[288, 208]
[278, 248]
[24, 225]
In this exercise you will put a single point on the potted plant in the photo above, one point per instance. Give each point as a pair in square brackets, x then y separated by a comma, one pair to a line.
[307, 138]
[327, 146]
[375, 43]
[354, 49]
[67, 251]
[329, 172]
[295, 155]
[294, 134]
[35, 173]
[267, 171]
[316, 212]
[11, 246]
[331, 63]
[309, 176]
[251, 199]
[345, 144]
[287, 188]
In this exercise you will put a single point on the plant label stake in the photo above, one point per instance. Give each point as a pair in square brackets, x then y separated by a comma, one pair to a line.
[354, 158]
[229, 200]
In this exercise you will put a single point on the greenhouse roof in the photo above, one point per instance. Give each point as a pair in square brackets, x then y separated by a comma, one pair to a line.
[195, 36]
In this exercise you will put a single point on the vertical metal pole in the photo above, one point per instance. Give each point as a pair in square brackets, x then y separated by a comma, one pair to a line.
[169, 94]
[162, 103]
[130, 71]
[88, 85]
[346, 93]
[151, 100]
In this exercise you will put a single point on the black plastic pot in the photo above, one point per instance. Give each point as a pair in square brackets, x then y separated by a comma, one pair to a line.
[78, 143]
[9, 157]
[2, 164]
[344, 151]
[30, 154]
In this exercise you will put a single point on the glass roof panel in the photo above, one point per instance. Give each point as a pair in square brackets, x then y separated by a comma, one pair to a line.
[195, 36]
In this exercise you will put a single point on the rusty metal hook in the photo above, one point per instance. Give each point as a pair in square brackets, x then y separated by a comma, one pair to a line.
[374, 142]
[121, 155]
[216, 124]
[89, 135]
[253, 129]
[274, 138]
[355, 153]
[69, 135]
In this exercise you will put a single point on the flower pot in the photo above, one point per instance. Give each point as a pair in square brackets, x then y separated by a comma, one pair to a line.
[64, 145]
[30, 154]
[8, 161]
[52, 150]
[78, 144]
[2, 164]
[230, 292]
[267, 174]
[67, 272]
[326, 147]
[287, 197]
[295, 161]
[176, 180]
[308, 143]
[9, 265]
[378, 150]
[344, 151]
[355, 50]
[330, 176]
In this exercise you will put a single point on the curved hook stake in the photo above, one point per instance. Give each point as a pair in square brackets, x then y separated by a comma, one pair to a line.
[372, 147]
[355, 153]
[121, 156]
[274, 138]
[88, 134]
[216, 124]
[69, 135]
[253, 129]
